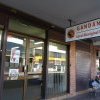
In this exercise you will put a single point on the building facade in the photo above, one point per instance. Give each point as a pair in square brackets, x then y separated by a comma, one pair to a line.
[36, 62]
[34, 58]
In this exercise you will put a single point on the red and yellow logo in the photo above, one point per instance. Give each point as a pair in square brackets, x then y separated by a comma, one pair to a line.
[71, 33]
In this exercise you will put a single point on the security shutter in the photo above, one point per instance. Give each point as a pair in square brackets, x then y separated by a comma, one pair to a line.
[83, 66]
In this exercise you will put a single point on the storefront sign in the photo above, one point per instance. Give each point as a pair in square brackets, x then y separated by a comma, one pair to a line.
[83, 31]
[13, 74]
[15, 54]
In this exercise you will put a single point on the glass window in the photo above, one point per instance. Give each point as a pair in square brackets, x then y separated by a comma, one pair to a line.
[24, 27]
[15, 55]
[35, 56]
[57, 75]
[0, 37]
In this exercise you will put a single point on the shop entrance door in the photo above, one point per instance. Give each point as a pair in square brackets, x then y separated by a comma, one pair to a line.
[34, 69]
[23, 68]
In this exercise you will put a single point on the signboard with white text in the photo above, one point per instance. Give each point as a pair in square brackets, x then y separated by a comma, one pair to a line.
[83, 31]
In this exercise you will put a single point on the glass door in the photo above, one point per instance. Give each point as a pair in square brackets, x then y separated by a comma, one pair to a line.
[23, 68]
[34, 73]
[15, 62]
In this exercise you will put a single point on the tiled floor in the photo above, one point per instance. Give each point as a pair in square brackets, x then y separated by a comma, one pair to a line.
[87, 96]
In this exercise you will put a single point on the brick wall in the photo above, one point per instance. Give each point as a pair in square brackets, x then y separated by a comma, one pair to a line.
[93, 61]
[73, 68]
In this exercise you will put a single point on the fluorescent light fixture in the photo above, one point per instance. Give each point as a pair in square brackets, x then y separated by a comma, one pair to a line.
[14, 40]
[39, 48]
[15, 47]
[0, 34]
[61, 51]
[38, 42]
[32, 40]
[54, 49]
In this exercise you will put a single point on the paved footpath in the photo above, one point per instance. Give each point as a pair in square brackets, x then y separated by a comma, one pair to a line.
[87, 96]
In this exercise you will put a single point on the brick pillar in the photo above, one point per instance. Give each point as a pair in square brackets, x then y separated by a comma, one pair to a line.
[73, 68]
[93, 62]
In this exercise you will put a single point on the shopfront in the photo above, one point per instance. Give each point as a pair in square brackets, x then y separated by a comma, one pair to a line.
[84, 39]
[33, 66]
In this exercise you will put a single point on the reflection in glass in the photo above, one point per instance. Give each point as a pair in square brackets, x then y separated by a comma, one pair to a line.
[35, 69]
[56, 79]
[15, 54]
[35, 56]
[0, 37]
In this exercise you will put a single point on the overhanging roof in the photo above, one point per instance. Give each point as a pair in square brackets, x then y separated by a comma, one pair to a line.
[58, 11]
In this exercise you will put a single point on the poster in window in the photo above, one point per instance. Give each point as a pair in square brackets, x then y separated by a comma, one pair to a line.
[15, 55]
[13, 74]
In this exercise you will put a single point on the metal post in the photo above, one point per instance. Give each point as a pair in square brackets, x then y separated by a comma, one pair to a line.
[70, 22]
[2, 56]
[45, 60]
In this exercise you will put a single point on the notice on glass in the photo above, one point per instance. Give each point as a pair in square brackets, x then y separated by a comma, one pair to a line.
[15, 55]
[13, 74]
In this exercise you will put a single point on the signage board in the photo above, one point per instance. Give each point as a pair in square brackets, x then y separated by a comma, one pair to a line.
[83, 31]
[13, 74]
